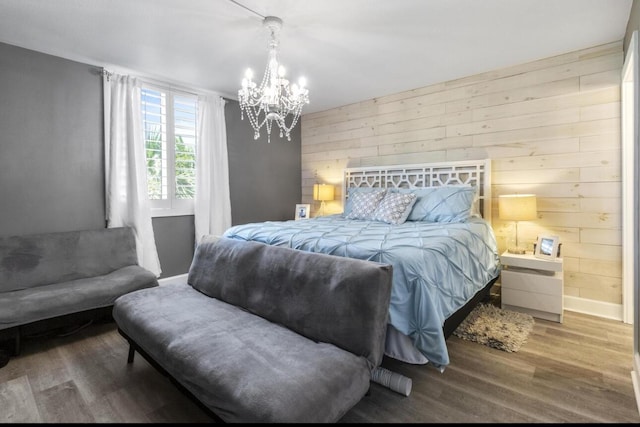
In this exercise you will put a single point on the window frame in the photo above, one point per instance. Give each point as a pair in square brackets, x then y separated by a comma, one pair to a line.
[171, 206]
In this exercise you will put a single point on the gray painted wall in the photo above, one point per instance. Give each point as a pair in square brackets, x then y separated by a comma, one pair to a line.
[175, 240]
[51, 149]
[265, 178]
[52, 158]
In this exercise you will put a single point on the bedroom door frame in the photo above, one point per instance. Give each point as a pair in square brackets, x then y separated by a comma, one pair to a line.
[630, 189]
[629, 123]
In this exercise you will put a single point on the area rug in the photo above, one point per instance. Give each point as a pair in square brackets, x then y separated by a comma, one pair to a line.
[494, 327]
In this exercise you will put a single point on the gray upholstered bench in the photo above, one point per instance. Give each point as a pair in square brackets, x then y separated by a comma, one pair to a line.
[265, 333]
[43, 276]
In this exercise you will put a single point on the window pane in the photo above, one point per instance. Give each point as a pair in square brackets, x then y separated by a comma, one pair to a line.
[185, 113]
[154, 121]
[170, 127]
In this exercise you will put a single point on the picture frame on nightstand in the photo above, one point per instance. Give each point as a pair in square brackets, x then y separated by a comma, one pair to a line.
[547, 247]
[302, 211]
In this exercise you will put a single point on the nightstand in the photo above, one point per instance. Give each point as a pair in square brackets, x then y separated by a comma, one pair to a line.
[532, 285]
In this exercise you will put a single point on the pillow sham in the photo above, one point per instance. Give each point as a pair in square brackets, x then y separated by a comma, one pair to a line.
[394, 208]
[364, 204]
[449, 203]
[354, 190]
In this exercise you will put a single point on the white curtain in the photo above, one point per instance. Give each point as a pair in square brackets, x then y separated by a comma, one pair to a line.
[127, 204]
[212, 201]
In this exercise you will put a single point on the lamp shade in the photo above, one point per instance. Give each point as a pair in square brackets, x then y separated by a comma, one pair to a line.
[323, 192]
[517, 207]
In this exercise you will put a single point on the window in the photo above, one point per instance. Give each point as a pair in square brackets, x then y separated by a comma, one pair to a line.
[169, 120]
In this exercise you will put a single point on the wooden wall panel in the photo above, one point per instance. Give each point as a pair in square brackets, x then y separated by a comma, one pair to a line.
[551, 127]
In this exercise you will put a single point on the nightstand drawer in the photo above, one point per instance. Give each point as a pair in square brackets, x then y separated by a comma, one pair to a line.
[535, 301]
[530, 261]
[532, 283]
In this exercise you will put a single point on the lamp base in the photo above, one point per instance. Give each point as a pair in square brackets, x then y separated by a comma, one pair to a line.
[516, 250]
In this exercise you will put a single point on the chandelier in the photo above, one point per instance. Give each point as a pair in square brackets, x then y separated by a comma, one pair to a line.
[274, 99]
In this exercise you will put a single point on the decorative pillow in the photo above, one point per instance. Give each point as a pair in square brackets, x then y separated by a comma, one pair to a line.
[364, 204]
[354, 190]
[451, 203]
[394, 208]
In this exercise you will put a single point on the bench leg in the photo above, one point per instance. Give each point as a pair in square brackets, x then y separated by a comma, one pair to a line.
[132, 352]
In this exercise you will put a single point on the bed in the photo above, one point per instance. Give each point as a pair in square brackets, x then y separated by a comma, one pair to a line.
[442, 248]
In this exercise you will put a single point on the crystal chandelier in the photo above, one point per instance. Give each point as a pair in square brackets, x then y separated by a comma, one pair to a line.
[274, 99]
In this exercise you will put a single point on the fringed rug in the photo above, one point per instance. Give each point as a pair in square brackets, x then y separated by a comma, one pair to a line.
[494, 327]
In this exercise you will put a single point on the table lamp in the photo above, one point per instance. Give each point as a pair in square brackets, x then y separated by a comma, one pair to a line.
[517, 207]
[323, 193]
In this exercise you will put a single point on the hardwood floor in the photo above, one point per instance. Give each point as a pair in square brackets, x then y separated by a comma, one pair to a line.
[577, 372]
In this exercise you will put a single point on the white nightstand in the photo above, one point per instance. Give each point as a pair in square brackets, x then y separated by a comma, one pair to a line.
[532, 285]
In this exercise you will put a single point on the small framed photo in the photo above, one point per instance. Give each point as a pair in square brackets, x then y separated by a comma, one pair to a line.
[547, 247]
[302, 211]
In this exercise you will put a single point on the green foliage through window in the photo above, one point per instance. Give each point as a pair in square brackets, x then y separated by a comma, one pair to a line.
[167, 116]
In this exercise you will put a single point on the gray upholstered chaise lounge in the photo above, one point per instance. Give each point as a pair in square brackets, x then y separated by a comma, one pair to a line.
[48, 275]
[265, 333]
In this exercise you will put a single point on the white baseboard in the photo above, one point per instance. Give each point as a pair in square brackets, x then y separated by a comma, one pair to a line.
[181, 278]
[595, 308]
[587, 306]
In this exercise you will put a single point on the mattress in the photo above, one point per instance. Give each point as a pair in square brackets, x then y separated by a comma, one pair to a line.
[437, 267]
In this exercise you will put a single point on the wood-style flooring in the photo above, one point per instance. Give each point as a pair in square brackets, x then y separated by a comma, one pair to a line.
[577, 372]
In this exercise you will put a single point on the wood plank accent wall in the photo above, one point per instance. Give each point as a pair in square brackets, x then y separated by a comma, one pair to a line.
[551, 127]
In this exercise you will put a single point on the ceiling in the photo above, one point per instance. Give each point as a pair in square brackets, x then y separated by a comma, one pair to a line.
[348, 50]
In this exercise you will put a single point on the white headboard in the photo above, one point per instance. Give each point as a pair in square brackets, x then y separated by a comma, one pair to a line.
[469, 172]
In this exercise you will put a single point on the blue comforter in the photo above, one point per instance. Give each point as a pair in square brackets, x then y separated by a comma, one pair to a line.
[437, 267]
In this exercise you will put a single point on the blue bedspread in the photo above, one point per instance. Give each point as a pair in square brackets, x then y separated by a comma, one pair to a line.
[437, 267]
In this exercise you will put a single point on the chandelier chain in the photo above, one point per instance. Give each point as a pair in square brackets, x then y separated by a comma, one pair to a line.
[247, 8]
